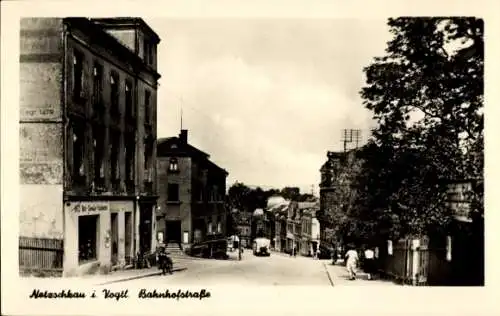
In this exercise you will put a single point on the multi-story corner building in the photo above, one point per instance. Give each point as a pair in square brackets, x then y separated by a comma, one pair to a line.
[336, 174]
[191, 193]
[87, 140]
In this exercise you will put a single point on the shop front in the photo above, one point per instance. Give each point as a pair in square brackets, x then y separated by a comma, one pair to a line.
[97, 235]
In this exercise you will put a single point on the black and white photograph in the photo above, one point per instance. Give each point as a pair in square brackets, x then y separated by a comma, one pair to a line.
[175, 152]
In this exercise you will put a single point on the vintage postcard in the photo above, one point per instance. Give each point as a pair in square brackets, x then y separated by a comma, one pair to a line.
[286, 158]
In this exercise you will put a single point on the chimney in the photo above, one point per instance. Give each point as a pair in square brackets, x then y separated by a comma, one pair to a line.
[183, 136]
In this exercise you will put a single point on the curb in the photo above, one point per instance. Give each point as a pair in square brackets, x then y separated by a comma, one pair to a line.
[328, 274]
[142, 276]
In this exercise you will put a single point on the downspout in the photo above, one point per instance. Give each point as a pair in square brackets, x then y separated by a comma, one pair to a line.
[64, 83]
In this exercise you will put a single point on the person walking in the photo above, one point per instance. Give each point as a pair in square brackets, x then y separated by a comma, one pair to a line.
[369, 262]
[352, 259]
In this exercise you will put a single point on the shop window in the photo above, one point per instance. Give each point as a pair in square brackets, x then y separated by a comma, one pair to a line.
[173, 165]
[87, 238]
[115, 94]
[78, 79]
[98, 143]
[210, 227]
[129, 106]
[78, 171]
[97, 90]
[115, 157]
[173, 192]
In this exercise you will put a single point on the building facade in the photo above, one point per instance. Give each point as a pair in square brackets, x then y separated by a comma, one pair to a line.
[336, 175]
[191, 193]
[277, 211]
[244, 228]
[87, 137]
[310, 228]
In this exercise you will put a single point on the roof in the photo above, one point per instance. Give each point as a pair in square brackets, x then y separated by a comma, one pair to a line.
[213, 165]
[258, 212]
[165, 148]
[105, 39]
[126, 22]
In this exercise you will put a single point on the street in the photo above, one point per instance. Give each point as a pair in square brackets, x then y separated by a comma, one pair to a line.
[277, 269]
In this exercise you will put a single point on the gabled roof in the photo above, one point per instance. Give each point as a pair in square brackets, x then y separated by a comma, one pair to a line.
[173, 146]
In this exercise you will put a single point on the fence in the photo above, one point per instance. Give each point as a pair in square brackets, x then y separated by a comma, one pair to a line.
[416, 262]
[41, 255]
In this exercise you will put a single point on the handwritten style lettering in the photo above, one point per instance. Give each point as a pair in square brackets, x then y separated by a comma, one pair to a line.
[62, 294]
[174, 295]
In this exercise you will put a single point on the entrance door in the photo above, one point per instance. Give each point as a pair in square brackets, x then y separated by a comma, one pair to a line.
[173, 231]
[145, 227]
[128, 236]
[114, 238]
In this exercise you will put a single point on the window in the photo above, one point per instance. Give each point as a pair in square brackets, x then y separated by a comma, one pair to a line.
[98, 144]
[78, 75]
[87, 237]
[173, 192]
[173, 165]
[147, 107]
[97, 90]
[78, 171]
[129, 107]
[130, 159]
[148, 53]
[219, 224]
[114, 157]
[148, 152]
[115, 95]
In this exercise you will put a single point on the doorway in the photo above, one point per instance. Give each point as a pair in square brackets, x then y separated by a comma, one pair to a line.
[114, 238]
[128, 237]
[173, 231]
[145, 227]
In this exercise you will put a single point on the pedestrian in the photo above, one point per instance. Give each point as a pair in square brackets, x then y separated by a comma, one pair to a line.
[295, 251]
[334, 255]
[352, 259]
[369, 263]
[318, 253]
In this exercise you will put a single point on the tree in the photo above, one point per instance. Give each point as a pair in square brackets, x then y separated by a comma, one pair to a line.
[427, 96]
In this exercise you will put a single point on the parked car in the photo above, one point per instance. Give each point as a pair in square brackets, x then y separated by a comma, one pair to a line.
[325, 252]
[213, 249]
[261, 246]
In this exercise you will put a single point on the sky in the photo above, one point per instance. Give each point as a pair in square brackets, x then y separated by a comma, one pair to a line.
[266, 98]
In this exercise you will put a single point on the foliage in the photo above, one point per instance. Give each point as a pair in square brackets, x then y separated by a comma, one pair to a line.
[241, 199]
[427, 96]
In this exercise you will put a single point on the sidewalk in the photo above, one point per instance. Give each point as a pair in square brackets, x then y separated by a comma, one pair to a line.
[339, 276]
[129, 274]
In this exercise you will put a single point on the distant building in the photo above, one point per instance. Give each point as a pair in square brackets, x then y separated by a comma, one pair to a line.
[87, 142]
[309, 228]
[244, 227]
[191, 193]
[277, 207]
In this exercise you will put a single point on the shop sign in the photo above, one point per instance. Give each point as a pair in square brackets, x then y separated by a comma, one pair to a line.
[89, 207]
